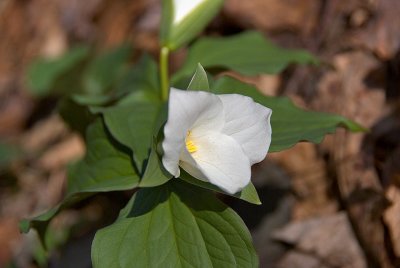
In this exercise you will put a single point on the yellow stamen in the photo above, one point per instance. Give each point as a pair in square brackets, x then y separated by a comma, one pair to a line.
[190, 146]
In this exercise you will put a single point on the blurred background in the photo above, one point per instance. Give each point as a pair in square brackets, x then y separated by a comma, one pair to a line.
[336, 204]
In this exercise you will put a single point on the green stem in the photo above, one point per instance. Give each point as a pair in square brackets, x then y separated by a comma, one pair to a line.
[164, 73]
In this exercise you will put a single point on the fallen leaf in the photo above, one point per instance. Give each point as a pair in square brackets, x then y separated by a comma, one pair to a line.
[267, 15]
[59, 155]
[329, 240]
[392, 217]
[309, 180]
[381, 35]
[343, 91]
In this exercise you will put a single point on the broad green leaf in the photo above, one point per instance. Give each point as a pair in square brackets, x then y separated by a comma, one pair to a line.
[45, 76]
[182, 20]
[140, 96]
[141, 84]
[290, 124]
[78, 117]
[143, 76]
[41, 221]
[83, 99]
[132, 124]
[133, 118]
[248, 53]
[106, 167]
[199, 80]
[104, 70]
[155, 173]
[249, 193]
[174, 225]
[138, 84]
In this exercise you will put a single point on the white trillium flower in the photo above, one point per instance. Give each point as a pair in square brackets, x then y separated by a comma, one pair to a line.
[215, 138]
[183, 8]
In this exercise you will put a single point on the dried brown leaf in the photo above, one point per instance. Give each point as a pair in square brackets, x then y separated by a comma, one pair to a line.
[328, 239]
[392, 217]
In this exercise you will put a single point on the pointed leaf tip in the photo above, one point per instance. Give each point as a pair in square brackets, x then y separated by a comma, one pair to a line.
[199, 80]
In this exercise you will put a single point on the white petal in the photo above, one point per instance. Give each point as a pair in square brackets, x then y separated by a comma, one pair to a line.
[249, 124]
[184, 8]
[186, 110]
[220, 160]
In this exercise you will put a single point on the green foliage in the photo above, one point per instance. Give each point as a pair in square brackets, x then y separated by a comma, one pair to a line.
[106, 167]
[78, 117]
[79, 73]
[155, 174]
[248, 53]
[46, 75]
[142, 78]
[133, 125]
[103, 71]
[174, 225]
[290, 124]
[249, 193]
[137, 83]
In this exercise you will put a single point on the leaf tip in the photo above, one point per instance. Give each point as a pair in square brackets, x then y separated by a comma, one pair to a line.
[353, 126]
[24, 226]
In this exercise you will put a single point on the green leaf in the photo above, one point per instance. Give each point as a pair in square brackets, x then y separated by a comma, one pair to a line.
[132, 119]
[142, 77]
[290, 124]
[106, 167]
[46, 75]
[77, 117]
[83, 99]
[132, 124]
[248, 53]
[41, 222]
[104, 70]
[249, 193]
[199, 80]
[175, 225]
[176, 33]
[138, 84]
[155, 173]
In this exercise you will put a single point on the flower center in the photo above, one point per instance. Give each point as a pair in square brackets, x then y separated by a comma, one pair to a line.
[190, 146]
